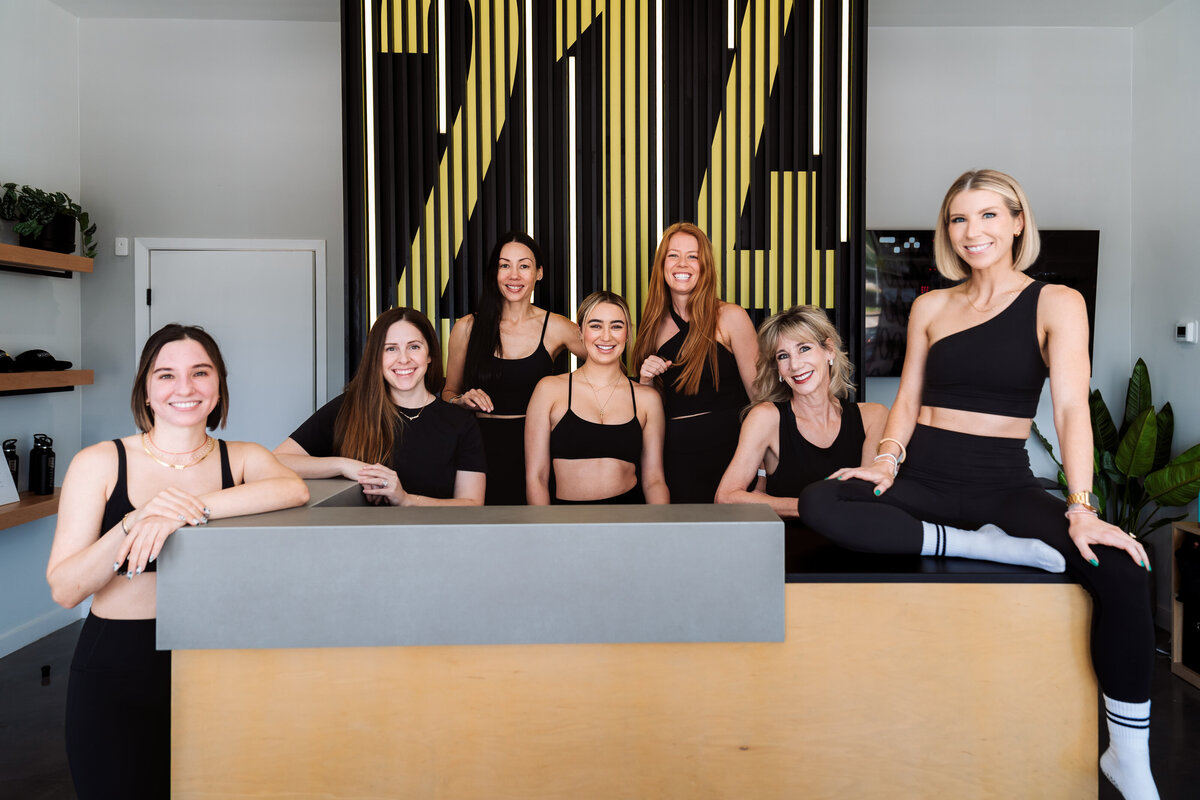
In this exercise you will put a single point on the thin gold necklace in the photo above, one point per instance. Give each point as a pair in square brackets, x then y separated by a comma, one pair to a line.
[413, 418]
[209, 444]
[990, 308]
[603, 405]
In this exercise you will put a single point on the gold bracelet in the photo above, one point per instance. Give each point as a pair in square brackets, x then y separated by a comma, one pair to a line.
[898, 443]
[123, 528]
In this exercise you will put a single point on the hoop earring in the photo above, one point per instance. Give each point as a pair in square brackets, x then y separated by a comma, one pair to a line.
[781, 378]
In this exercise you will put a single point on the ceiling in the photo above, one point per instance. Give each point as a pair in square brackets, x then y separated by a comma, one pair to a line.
[1012, 13]
[884, 13]
[278, 10]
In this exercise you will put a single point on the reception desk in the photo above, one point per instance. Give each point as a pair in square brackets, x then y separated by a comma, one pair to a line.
[344, 651]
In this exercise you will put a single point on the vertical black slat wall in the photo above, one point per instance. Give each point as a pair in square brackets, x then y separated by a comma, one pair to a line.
[737, 149]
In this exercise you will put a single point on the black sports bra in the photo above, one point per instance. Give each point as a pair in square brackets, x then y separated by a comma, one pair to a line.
[513, 379]
[575, 438]
[801, 462]
[995, 367]
[708, 397]
[118, 505]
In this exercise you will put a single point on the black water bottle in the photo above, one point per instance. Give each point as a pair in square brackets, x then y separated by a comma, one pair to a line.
[10, 455]
[41, 465]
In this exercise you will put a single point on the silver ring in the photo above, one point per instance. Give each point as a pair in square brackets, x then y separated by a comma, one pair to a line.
[385, 484]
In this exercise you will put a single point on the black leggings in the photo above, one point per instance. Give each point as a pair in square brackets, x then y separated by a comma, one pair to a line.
[696, 452]
[504, 447]
[118, 726]
[965, 481]
[633, 497]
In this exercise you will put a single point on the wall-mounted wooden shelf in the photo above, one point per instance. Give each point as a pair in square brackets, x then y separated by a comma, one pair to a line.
[44, 381]
[30, 507]
[12, 255]
[1178, 531]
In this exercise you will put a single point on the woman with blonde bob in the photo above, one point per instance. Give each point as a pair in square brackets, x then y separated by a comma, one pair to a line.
[390, 431]
[801, 427]
[699, 352]
[953, 449]
[121, 501]
[601, 435]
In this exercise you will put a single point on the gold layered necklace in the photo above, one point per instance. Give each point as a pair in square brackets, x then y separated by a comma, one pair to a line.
[612, 391]
[193, 457]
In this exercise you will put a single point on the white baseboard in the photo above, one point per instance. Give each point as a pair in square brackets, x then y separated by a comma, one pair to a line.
[28, 633]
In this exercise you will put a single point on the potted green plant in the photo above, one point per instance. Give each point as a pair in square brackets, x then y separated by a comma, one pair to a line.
[1135, 477]
[46, 220]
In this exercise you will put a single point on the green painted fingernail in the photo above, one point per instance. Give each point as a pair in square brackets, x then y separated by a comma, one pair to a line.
[1093, 562]
[877, 493]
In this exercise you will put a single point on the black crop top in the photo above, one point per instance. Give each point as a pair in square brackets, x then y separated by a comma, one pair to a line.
[801, 462]
[708, 397]
[514, 379]
[995, 367]
[575, 438]
[118, 505]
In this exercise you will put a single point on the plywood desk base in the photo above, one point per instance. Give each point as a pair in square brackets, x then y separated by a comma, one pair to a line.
[879, 691]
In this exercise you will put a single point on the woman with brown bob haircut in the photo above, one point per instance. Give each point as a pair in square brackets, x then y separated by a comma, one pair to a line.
[121, 500]
[699, 351]
[390, 430]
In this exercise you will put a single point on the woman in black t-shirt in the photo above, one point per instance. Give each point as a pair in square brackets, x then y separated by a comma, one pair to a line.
[390, 431]
[801, 428]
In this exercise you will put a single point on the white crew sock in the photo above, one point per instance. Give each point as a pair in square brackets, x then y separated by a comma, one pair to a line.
[1126, 762]
[989, 543]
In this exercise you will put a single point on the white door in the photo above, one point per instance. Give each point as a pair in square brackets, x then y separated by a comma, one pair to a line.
[264, 304]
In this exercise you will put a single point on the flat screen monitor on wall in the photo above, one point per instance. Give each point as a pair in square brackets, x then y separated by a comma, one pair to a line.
[899, 266]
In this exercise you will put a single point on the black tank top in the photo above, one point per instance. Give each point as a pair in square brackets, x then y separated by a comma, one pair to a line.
[708, 397]
[995, 367]
[117, 505]
[514, 379]
[575, 438]
[801, 462]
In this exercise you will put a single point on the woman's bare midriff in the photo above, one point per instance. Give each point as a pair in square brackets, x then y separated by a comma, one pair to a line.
[485, 415]
[592, 478]
[974, 422]
[122, 598]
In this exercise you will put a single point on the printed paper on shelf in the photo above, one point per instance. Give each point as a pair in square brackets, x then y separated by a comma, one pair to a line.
[8, 489]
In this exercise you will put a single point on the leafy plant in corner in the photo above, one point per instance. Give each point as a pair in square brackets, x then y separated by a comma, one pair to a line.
[33, 209]
[1135, 477]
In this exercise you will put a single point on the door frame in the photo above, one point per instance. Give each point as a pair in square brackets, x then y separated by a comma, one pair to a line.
[143, 246]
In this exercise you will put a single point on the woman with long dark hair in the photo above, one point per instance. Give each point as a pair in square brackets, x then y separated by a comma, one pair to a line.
[389, 430]
[699, 351]
[597, 431]
[951, 475]
[486, 371]
[120, 502]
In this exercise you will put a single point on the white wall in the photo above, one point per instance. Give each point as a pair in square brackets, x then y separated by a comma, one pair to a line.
[39, 146]
[1050, 106]
[1166, 172]
[206, 129]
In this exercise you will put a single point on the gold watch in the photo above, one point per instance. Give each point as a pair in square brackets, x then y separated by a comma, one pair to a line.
[1086, 499]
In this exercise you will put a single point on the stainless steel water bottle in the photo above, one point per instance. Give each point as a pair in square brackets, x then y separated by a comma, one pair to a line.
[41, 465]
[10, 455]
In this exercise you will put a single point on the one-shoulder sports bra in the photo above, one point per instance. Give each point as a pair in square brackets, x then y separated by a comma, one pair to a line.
[576, 438]
[118, 505]
[708, 397]
[995, 367]
[514, 379]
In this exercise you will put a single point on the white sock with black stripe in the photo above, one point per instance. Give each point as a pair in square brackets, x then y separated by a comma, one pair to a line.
[1126, 762]
[989, 543]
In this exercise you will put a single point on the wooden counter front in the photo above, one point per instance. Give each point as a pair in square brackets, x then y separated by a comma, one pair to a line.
[880, 690]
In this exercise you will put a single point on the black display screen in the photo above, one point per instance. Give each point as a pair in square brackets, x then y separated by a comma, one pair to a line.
[899, 266]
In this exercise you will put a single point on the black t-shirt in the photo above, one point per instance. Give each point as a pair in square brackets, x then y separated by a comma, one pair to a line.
[429, 451]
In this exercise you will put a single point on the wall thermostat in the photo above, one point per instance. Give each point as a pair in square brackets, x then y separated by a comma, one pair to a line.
[1186, 331]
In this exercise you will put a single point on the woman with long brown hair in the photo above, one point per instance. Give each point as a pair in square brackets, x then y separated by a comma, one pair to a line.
[121, 501]
[390, 431]
[700, 353]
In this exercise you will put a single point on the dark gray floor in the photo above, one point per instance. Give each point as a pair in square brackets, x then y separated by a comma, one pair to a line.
[33, 763]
